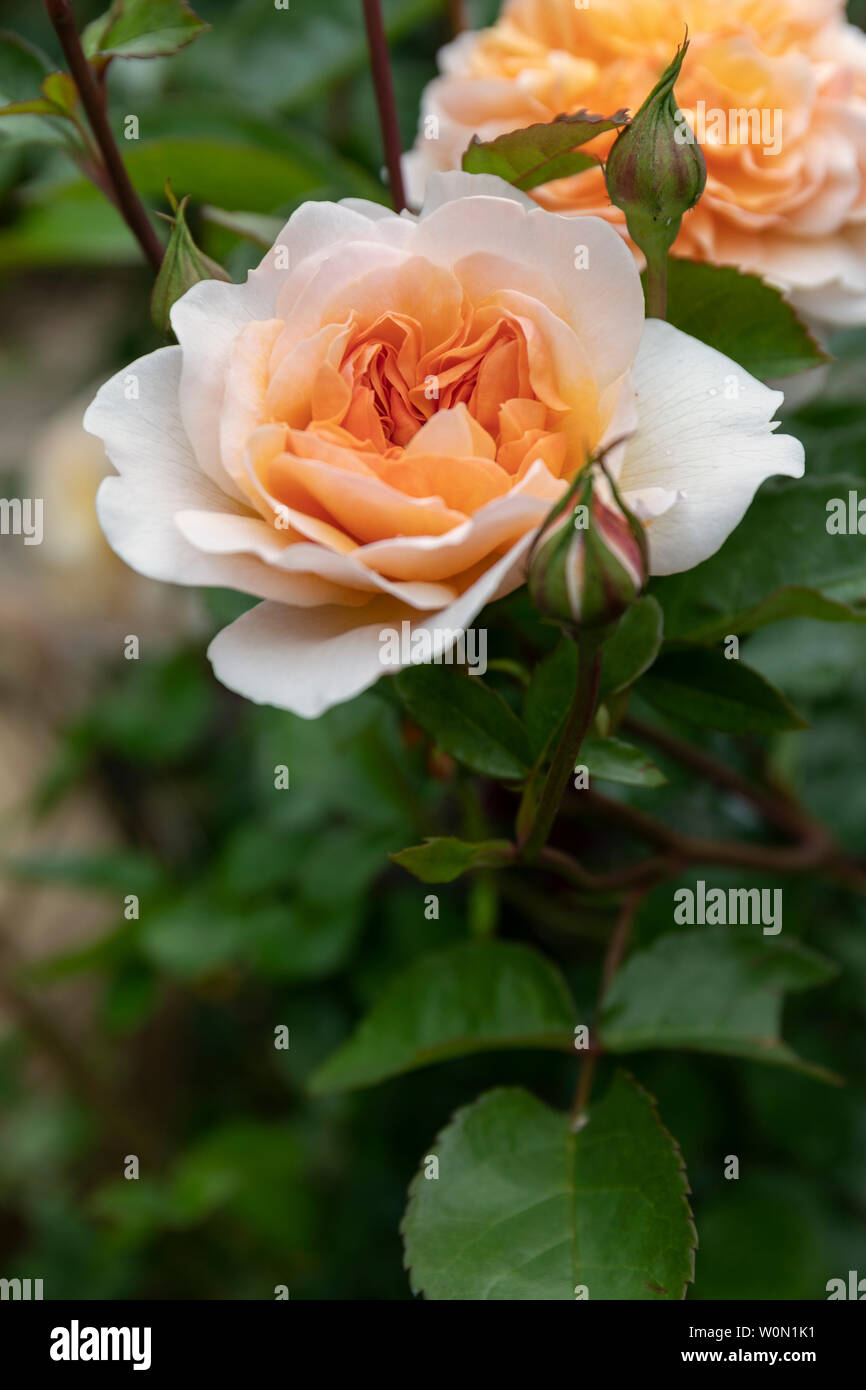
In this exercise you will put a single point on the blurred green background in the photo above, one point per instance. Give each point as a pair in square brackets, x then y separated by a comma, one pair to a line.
[260, 907]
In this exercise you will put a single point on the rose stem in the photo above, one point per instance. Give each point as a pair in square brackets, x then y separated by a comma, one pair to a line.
[127, 200]
[579, 720]
[457, 16]
[783, 811]
[383, 82]
[657, 287]
[616, 949]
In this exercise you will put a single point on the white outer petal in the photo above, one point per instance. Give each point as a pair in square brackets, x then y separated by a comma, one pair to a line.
[712, 451]
[307, 661]
[447, 187]
[226, 534]
[159, 477]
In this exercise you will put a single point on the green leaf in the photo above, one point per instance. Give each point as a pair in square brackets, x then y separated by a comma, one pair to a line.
[256, 1170]
[633, 647]
[104, 955]
[467, 719]
[306, 940]
[61, 91]
[252, 226]
[524, 1209]
[197, 936]
[59, 98]
[25, 72]
[66, 232]
[233, 173]
[142, 29]
[119, 871]
[779, 563]
[193, 936]
[130, 719]
[832, 428]
[183, 266]
[132, 994]
[23, 66]
[475, 997]
[252, 1170]
[717, 989]
[443, 860]
[539, 153]
[32, 106]
[75, 225]
[627, 654]
[287, 917]
[741, 316]
[614, 760]
[549, 695]
[318, 48]
[701, 686]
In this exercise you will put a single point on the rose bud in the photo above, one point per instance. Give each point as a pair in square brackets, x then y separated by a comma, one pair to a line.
[655, 171]
[590, 560]
[184, 265]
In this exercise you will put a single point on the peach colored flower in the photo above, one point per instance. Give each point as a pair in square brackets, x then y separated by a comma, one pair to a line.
[774, 89]
[370, 430]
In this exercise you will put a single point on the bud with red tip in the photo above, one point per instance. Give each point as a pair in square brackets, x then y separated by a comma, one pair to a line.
[589, 562]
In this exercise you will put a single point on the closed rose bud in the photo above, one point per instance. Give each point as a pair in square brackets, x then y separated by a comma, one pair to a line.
[183, 266]
[656, 171]
[590, 561]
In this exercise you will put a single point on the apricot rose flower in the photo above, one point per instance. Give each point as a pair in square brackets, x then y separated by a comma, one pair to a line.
[775, 91]
[371, 428]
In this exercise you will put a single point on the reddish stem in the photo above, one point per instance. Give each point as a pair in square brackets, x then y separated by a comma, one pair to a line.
[380, 64]
[457, 16]
[616, 949]
[125, 197]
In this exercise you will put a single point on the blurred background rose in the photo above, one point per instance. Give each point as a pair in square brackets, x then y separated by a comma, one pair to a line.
[776, 95]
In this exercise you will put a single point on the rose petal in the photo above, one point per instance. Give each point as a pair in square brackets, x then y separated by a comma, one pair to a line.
[224, 534]
[306, 662]
[699, 439]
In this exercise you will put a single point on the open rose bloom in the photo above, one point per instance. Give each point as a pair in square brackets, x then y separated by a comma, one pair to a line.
[372, 428]
[775, 91]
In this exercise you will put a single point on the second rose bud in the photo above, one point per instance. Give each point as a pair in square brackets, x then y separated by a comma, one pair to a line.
[590, 561]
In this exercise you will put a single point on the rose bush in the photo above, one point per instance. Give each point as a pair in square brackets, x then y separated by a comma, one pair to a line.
[371, 429]
[788, 203]
[559, 911]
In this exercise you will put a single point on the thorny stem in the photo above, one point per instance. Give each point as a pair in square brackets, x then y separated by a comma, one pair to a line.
[579, 719]
[384, 84]
[815, 849]
[780, 810]
[616, 949]
[570, 869]
[811, 850]
[123, 194]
